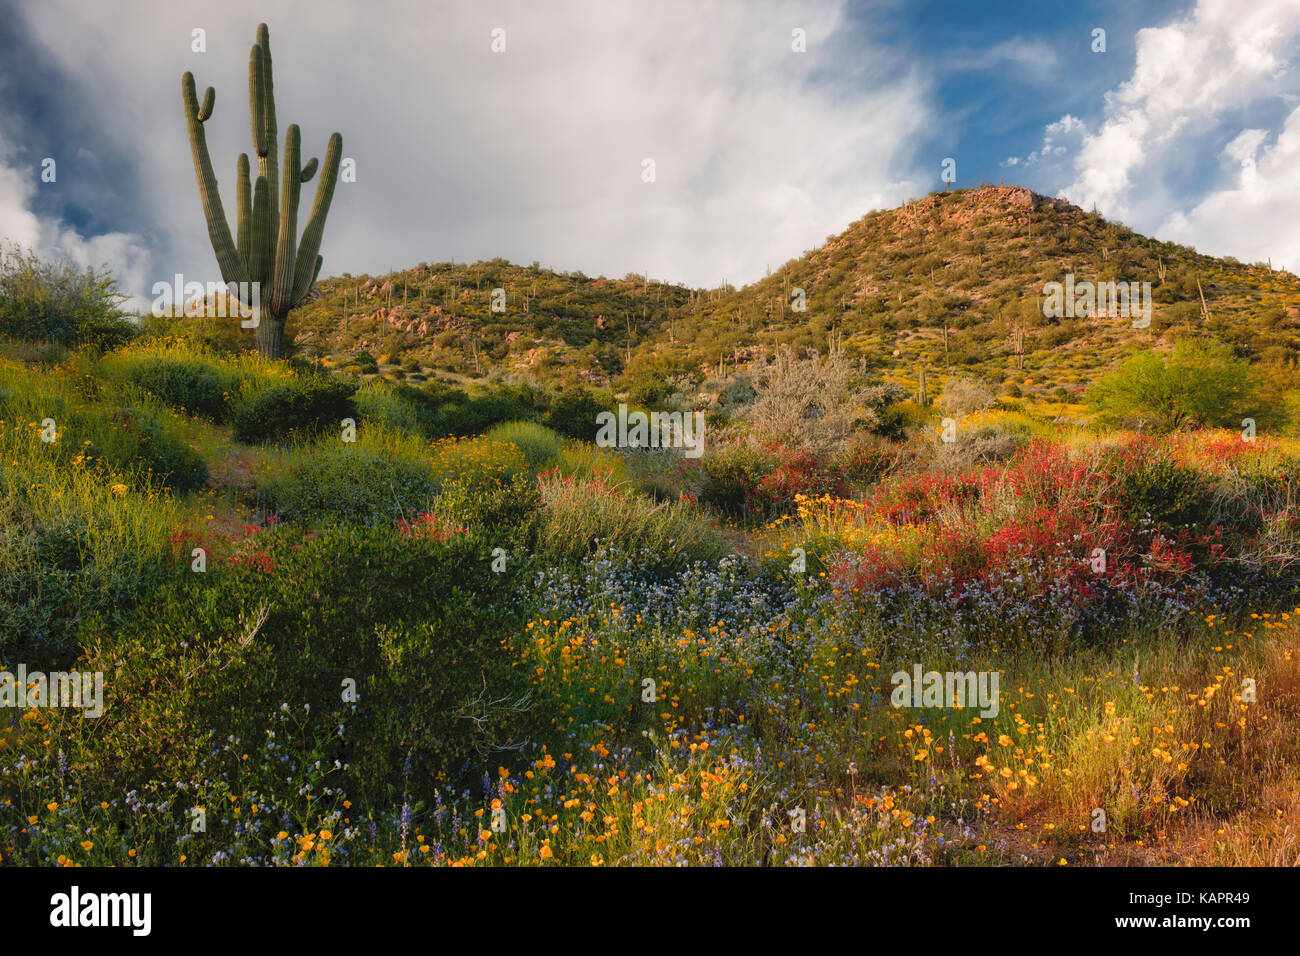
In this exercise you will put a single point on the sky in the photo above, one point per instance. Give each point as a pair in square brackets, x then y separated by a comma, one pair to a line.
[771, 124]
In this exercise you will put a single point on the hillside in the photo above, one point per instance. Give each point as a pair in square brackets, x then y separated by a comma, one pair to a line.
[972, 262]
[441, 316]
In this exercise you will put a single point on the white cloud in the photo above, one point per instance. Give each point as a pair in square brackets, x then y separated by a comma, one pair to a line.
[1255, 219]
[1245, 147]
[1030, 59]
[1050, 160]
[1192, 82]
[126, 255]
[534, 154]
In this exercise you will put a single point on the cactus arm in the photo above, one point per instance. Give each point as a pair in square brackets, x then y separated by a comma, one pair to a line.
[255, 71]
[232, 268]
[320, 261]
[266, 94]
[315, 228]
[244, 207]
[309, 170]
[209, 103]
[286, 245]
[261, 250]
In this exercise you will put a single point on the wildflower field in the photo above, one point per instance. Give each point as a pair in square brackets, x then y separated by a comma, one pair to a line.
[505, 646]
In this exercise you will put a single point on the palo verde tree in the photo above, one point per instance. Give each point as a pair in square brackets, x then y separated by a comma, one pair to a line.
[268, 250]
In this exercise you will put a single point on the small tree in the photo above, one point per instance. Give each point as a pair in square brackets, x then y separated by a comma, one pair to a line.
[1197, 384]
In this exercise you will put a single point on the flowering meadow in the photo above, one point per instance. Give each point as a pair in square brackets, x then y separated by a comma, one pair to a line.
[510, 647]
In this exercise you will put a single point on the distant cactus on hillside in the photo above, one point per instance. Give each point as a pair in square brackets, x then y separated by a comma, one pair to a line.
[268, 250]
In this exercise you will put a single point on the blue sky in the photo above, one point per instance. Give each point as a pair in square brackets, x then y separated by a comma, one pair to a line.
[1187, 127]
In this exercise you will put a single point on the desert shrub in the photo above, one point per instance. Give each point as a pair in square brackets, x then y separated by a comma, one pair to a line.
[814, 404]
[365, 362]
[141, 439]
[963, 397]
[277, 629]
[540, 445]
[796, 473]
[1291, 410]
[573, 413]
[75, 543]
[379, 402]
[580, 518]
[731, 472]
[56, 301]
[984, 445]
[579, 459]
[871, 458]
[376, 481]
[475, 463]
[296, 406]
[52, 579]
[1198, 383]
[652, 378]
[1156, 491]
[435, 409]
[505, 510]
[736, 395]
[191, 384]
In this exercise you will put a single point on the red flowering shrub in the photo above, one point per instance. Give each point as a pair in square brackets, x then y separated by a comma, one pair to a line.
[1039, 523]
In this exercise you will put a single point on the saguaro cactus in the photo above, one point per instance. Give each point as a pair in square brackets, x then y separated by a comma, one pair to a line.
[267, 249]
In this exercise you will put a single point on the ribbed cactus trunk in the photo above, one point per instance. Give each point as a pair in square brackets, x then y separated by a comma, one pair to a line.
[269, 335]
[267, 249]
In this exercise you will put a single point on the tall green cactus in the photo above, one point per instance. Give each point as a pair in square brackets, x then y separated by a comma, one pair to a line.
[922, 398]
[266, 248]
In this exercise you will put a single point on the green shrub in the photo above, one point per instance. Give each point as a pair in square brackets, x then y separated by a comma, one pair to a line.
[138, 439]
[55, 301]
[573, 413]
[414, 620]
[365, 362]
[72, 547]
[302, 405]
[540, 445]
[355, 483]
[378, 402]
[130, 441]
[437, 410]
[506, 510]
[49, 585]
[1164, 494]
[192, 385]
[731, 473]
[580, 518]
